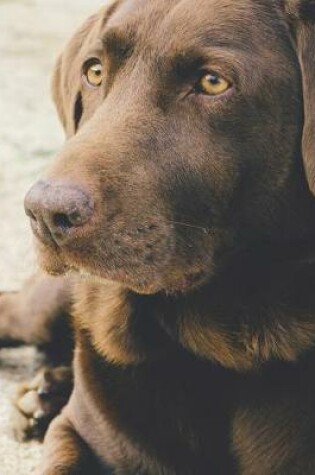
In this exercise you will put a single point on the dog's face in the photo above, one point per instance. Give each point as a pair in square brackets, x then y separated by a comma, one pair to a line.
[184, 123]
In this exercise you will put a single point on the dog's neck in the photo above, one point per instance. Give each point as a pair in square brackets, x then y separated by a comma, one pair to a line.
[254, 312]
[258, 310]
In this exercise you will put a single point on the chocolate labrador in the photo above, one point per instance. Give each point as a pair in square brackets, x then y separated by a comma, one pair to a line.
[183, 197]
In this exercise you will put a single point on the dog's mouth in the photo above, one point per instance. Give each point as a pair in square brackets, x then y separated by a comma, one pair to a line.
[145, 253]
[136, 275]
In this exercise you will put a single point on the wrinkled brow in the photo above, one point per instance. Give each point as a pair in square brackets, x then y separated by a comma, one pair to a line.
[185, 64]
[117, 44]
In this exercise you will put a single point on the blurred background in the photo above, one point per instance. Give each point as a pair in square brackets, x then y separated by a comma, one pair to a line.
[32, 33]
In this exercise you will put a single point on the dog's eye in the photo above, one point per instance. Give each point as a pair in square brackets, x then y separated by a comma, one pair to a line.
[93, 73]
[213, 84]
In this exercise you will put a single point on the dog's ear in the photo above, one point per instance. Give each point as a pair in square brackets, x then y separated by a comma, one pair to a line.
[66, 80]
[56, 90]
[66, 76]
[301, 16]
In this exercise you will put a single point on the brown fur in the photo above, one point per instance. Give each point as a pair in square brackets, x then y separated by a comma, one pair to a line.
[195, 324]
[37, 315]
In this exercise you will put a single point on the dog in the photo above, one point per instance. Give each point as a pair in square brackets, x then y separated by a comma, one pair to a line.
[183, 204]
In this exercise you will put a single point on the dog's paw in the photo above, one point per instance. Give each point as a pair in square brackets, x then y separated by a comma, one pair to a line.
[39, 401]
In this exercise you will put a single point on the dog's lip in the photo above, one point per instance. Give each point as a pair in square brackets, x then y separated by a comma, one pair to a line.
[60, 263]
[56, 264]
[182, 284]
[58, 260]
[119, 276]
[104, 279]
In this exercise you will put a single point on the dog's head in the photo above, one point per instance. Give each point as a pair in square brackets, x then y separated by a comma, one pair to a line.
[187, 127]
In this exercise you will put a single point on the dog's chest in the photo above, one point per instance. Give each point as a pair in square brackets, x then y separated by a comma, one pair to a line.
[184, 416]
[167, 418]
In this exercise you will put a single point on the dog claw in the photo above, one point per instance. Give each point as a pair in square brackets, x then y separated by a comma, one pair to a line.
[39, 414]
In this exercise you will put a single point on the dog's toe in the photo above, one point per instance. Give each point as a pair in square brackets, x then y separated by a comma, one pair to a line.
[39, 401]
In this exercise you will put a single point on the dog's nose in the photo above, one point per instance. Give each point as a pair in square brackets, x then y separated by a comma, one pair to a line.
[57, 210]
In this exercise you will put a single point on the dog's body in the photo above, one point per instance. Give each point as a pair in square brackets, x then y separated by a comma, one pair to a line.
[189, 210]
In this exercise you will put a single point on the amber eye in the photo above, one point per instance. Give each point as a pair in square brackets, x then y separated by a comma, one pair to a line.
[94, 73]
[213, 84]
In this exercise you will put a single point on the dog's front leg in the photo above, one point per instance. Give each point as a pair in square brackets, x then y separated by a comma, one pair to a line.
[37, 315]
[66, 453]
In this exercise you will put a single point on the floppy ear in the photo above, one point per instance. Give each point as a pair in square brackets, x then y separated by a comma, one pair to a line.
[301, 14]
[65, 84]
[66, 79]
[56, 89]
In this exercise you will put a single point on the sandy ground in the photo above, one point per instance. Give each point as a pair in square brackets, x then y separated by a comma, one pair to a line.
[32, 33]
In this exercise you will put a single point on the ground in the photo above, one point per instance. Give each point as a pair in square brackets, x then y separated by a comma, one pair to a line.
[32, 33]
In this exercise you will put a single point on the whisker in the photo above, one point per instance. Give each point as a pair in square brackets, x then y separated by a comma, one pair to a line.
[187, 225]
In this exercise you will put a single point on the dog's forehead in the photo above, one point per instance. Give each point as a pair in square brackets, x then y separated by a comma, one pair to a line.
[225, 20]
